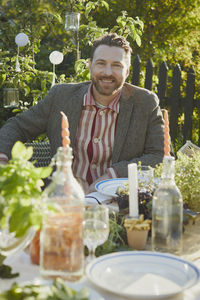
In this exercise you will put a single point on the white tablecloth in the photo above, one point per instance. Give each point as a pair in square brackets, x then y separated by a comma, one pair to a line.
[28, 272]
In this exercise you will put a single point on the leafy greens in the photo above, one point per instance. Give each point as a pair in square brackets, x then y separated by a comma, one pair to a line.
[58, 290]
[20, 191]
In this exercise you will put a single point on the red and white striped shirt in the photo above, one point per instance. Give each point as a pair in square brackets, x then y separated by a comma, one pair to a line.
[95, 140]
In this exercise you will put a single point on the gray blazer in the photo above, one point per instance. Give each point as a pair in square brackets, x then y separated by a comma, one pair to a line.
[139, 132]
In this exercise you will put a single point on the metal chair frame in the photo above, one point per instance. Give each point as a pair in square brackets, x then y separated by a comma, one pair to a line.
[41, 153]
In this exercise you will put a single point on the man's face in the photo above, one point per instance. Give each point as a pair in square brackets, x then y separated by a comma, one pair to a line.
[109, 69]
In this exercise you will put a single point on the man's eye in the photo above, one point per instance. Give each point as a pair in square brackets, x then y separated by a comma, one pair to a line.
[100, 63]
[117, 65]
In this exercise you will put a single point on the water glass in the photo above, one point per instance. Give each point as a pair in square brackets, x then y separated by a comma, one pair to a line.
[146, 178]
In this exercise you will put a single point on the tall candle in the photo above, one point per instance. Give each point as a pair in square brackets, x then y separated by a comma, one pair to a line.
[133, 190]
[65, 130]
[65, 144]
[166, 133]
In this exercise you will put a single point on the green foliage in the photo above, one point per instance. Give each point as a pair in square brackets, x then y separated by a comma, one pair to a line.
[44, 25]
[127, 26]
[33, 84]
[58, 290]
[5, 270]
[171, 28]
[82, 71]
[187, 177]
[20, 191]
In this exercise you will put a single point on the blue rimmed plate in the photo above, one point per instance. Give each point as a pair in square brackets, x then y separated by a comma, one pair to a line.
[142, 274]
[108, 187]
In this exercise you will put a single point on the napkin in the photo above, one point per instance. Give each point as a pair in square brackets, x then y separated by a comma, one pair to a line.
[154, 285]
[98, 198]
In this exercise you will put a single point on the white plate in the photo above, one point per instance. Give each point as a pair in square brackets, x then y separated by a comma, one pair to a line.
[108, 187]
[142, 274]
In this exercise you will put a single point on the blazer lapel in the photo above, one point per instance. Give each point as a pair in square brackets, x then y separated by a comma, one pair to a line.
[125, 114]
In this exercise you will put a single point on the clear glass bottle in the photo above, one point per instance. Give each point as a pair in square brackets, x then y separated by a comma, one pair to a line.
[167, 212]
[61, 238]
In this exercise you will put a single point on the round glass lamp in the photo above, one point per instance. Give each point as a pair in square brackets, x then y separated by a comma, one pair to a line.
[72, 21]
[10, 97]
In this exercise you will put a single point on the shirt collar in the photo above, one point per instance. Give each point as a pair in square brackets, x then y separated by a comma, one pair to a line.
[89, 100]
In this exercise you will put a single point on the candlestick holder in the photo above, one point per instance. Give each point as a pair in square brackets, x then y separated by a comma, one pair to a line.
[137, 231]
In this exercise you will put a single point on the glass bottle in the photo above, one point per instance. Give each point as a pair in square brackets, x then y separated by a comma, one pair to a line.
[167, 212]
[62, 248]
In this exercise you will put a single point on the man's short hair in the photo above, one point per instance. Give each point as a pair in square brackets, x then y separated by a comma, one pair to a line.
[112, 40]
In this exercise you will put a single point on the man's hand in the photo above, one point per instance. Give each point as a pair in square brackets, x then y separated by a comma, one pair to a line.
[92, 186]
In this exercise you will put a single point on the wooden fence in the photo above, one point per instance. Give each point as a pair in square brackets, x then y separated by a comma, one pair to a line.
[170, 97]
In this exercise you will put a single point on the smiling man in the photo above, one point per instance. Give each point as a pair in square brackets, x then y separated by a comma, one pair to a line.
[109, 68]
[112, 123]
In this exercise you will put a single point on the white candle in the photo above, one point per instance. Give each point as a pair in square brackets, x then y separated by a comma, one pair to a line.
[133, 190]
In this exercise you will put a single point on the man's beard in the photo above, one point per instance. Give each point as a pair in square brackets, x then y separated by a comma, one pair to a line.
[106, 91]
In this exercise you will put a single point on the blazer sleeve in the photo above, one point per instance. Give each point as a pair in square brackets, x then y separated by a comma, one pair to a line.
[27, 125]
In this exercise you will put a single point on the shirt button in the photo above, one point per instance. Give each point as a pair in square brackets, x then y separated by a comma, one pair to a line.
[101, 112]
[95, 140]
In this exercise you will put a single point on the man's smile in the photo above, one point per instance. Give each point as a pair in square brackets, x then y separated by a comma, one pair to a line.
[107, 80]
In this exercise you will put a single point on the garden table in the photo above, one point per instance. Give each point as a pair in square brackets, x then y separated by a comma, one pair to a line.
[20, 262]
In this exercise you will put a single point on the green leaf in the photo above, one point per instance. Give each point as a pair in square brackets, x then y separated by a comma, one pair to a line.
[2, 258]
[138, 40]
[104, 3]
[6, 272]
[2, 79]
[43, 172]
[20, 151]
[139, 22]
[19, 221]
[89, 6]
[133, 31]
[121, 21]
[17, 148]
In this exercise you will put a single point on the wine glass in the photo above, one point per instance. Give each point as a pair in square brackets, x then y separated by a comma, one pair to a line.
[96, 228]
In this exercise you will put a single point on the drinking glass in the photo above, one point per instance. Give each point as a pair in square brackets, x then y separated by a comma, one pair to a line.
[10, 245]
[146, 178]
[96, 228]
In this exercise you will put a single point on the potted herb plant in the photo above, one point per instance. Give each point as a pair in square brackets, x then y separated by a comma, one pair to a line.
[20, 198]
[187, 177]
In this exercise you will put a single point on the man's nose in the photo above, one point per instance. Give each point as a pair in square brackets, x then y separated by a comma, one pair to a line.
[108, 70]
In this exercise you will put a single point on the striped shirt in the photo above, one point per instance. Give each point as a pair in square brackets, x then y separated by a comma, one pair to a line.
[95, 140]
